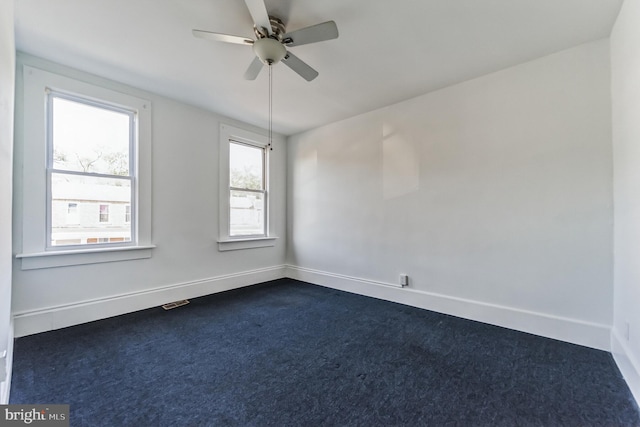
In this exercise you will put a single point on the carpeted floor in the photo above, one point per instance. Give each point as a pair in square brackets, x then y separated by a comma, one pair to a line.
[287, 353]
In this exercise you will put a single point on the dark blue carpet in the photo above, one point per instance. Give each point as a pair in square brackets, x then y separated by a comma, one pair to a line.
[287, 353]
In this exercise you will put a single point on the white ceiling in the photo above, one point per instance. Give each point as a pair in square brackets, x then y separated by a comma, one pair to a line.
[388, 51]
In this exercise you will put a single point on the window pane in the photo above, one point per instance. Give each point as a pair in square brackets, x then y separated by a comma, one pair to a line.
[245, 166]
[246, 213]
[98, 207]
[89, 139]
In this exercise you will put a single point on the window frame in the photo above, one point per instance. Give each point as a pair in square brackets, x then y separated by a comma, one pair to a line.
[35, 252]
[226, 242]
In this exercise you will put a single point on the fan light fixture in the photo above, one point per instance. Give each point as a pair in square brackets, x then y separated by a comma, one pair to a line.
[270, 51]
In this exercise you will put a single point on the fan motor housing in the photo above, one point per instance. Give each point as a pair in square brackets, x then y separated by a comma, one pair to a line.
[277, 29]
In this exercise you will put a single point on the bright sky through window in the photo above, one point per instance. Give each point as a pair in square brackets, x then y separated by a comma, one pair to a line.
[246, 164]
[90, 139]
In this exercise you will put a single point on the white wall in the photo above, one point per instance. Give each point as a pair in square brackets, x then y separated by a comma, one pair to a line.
[186, 262]
[494, 196]
[625, 92]
[7, 74]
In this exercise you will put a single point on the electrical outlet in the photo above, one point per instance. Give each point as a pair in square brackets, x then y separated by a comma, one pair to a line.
[404, 280]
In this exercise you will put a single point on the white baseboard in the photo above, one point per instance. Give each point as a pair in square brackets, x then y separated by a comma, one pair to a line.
[627, 362]
[565, 329]
[5, 386]
[574, 331]
[36, 321]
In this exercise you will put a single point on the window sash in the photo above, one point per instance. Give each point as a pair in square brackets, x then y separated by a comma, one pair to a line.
[249, 190]
[263, 166]
[239, 235]
[52, 94]
[101, 215]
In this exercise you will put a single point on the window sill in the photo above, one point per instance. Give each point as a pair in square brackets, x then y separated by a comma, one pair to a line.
[246, 243]
[63, 258]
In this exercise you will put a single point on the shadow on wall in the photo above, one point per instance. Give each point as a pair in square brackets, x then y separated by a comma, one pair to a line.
[400, 164]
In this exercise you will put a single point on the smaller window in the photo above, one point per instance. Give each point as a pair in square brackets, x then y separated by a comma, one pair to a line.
[247, 214]
[127, 213]
[244, 209]
[104, 213]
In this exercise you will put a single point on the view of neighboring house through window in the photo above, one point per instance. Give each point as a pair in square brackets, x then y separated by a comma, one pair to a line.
[90, 171]
[248, 190]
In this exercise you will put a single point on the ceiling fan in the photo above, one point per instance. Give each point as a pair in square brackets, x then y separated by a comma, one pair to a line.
[272, 40]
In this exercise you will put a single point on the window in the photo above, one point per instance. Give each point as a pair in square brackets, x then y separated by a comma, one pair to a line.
[89, 145]
[244, 190]
[104, 213]
[86, 155]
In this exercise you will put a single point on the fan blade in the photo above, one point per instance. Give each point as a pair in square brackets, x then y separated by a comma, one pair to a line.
[300, 67]
[254, 69]
[259, 14]
[315, 33]
[227, 38]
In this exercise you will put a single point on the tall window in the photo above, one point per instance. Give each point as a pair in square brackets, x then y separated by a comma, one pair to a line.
[247, 190]
[245, 216]
[85, 143]
[90, 147]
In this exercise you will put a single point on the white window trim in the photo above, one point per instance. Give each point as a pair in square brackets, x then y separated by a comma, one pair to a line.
[34, 213]
[226, 242]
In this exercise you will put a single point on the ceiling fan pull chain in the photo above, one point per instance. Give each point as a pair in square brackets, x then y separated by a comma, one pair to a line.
[270, 107]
